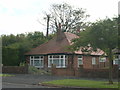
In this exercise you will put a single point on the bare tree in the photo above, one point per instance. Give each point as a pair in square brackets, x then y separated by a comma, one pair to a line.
[71, 19]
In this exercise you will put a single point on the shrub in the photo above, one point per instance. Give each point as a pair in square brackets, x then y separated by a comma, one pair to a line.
[34, 70]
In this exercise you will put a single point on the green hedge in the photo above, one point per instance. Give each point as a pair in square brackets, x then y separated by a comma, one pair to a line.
[10, 56]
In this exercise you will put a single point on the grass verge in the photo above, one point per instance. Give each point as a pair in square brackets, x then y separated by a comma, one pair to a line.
[6, 75]
[81, 83]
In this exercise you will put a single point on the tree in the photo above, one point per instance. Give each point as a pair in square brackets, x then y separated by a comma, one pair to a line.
[102, 34]
[10, 56]
[36, 38]
[72, 20]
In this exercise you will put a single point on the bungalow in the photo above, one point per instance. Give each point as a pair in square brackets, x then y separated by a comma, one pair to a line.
[55, 52]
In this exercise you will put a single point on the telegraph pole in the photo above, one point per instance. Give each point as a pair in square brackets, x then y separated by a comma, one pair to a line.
[48, 19]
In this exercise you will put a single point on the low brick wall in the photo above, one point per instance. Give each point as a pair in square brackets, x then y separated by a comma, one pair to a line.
[62, 72]
[90, 73]
[101, 73]
[15, 69]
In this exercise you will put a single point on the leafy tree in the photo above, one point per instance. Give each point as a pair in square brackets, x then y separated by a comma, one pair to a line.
[71, 19]
[10, 56]
[102, 34]
[19, 44]
[36, 38]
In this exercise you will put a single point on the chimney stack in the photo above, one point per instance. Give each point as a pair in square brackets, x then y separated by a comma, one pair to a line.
[59, 33]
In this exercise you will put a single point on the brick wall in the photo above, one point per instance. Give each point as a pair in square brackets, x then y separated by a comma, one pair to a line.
[81, 72]
[87, 62]
[15, 69]
[46, 62]
[98, 73]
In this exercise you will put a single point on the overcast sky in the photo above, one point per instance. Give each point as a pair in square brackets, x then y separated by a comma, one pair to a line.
[20, 16]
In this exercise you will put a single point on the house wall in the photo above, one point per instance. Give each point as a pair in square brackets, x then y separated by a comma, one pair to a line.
[75, 62]
[28, 60]
[70, 61]
[45, 61]
[72, 68]
[87, 63]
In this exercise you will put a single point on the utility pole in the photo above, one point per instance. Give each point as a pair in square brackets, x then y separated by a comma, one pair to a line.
[48, 19]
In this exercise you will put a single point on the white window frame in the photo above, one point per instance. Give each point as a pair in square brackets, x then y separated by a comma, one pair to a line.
[115, 61]
[59, 60]
[93, 60]
[80, 60]
[39, 59]
[102, 59]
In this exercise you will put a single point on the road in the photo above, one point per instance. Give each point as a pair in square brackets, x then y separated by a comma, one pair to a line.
[33, 81]
[28, 81]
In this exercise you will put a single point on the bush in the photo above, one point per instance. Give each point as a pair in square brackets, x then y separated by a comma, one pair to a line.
[34, 70]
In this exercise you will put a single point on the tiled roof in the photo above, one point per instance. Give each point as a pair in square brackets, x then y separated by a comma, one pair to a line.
[58, 46]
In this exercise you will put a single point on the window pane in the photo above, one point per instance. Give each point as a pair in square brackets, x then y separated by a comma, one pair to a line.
[79, 56]
[102, 59]
[31, 56]
[36, 57]
[56, 62]
[41, 57]
[80, 62]
[61, 56]
[93, 60]
[56, 56]
[41, 62]
[50, 62]
[50, 56]
[62, 62]
[31, 62]
[36, 63]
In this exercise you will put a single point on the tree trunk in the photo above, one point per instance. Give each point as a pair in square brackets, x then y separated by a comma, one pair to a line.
[110, 66]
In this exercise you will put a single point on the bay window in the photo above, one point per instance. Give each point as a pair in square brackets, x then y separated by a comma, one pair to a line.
[59, 60]
[37, 61]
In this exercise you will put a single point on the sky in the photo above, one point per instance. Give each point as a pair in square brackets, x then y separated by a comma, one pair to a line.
[21, 16]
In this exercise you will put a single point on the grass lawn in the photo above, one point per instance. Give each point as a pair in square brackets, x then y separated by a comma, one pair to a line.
[82, 83]
[5, 75]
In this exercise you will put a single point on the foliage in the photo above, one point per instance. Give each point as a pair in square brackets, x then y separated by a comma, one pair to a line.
[102, 34]
[71, 19]
[22, 63]
[15, 46]
[10, 56]
[34, 70]
[82, 83]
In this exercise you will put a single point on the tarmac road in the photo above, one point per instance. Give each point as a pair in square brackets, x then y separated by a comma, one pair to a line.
[16, 85]
[28, 80]
[33, 81]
